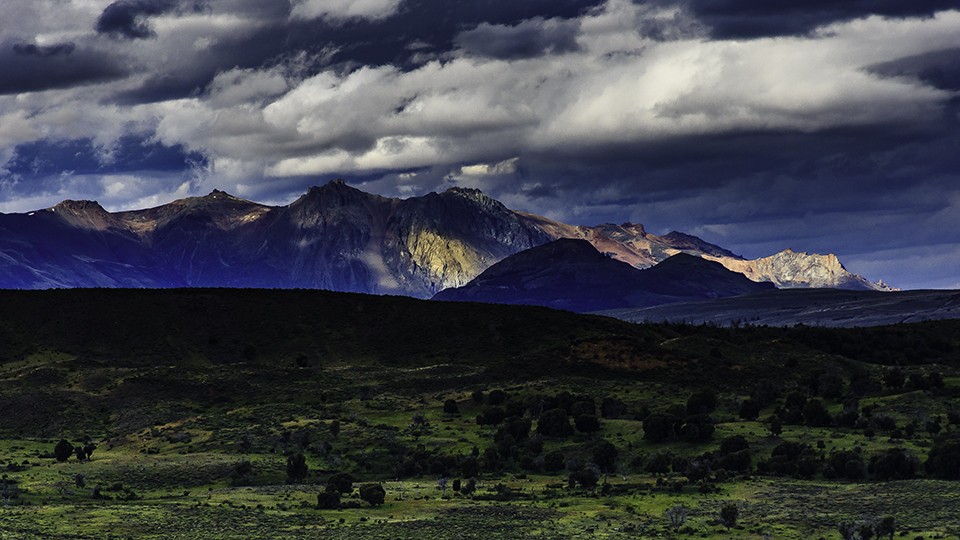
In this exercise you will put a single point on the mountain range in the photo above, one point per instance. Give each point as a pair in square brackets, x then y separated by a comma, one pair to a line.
[339, 238]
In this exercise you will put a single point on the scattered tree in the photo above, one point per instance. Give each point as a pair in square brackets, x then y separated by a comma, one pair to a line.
[554, 423]
[329, 499]
[887, 527]
[943, 461]
[296, 468]
[374, 494]
[605, 456]
[63, 450]
[341, 482]
[587, 423]
[702, 402]
[450, 407]
[729, 514]
[677, 516]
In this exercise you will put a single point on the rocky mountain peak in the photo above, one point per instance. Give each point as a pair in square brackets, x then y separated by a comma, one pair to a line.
[83, 214]
[78, 207]
[474, 195]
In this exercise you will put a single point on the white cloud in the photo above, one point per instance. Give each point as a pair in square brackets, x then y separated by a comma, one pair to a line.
[344, 9]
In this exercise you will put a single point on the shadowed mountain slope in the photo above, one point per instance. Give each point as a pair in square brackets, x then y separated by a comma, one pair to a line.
[573, 275]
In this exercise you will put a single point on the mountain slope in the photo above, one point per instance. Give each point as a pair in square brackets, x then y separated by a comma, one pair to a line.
[571, 274]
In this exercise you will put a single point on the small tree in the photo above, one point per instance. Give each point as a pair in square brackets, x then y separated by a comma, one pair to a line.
[296, 468]
[776, 426]
[887, 527]
[729, 514]
[341, 482]
[587, 423]
[749, 409]
[677, 516]
[702, 402]
[450, 407]
[554, 423]
[374, 494]
[63, 450]
[605, 456]
[329, 499]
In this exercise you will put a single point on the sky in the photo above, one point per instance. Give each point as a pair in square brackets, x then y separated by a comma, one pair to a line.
[829, 126]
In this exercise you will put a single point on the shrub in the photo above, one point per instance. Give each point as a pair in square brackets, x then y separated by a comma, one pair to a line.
[612, 408]
[739, 461]
[63, 450]
[943, 461]
[676, 516]
[470, 467]
[296, 468]
[342, 482]
[497, 397]
[894, 464]
[702, 402]
[659, 463]
[491, 416]
[587, 423]
[241, 473]
[585, 478]
[660, 427]
[450, 407]
[733, 444]
[605, 456]
[749, 409]
[554, 423]
[815, 414]
[729, 514]
[328, 499]
[518, 428]
[373, 494]
[583, 407]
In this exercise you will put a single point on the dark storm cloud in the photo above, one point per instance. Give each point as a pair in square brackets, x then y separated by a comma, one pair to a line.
[433, 27]
[764, 18]
[29, 49]
[29, 68]
[131, 153]
[534, 37]
[127, 18]
[421, 29]
[940, 69]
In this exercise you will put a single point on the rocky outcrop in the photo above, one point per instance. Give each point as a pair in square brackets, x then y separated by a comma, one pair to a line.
[791, 270]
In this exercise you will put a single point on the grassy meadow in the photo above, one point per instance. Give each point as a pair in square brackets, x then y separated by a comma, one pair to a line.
[197, 403]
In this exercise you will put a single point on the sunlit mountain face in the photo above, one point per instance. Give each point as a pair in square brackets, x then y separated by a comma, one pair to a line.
[826, 127]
